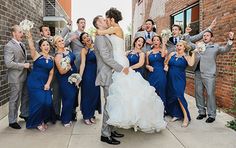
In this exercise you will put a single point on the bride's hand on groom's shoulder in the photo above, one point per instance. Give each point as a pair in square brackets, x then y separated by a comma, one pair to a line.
[126, 70]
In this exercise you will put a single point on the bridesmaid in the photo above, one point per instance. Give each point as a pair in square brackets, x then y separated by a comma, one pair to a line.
[176, 82]
[90, 94]
[67, 90]
[40, 104]
[156, 75]
[136, 56]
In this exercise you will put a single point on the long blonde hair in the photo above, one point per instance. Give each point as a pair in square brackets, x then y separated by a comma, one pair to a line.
[55, 38]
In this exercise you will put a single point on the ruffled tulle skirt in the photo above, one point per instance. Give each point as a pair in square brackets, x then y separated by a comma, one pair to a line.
[133, 103]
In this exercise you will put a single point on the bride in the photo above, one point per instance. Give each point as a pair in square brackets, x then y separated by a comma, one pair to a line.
[132, 102]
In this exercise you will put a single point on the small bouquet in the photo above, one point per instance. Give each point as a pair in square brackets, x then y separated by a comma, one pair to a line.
[26, 25]
[75, 78]
[65, 62]
[166, 33]
[201, 47]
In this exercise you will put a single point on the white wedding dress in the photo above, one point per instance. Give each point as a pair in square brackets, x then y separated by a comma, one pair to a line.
[132, 102]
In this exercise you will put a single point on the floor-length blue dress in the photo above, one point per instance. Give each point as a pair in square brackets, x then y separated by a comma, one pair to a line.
[90, 94]
[40, 100]
[68, 91]
[176, 83]
[157, 78]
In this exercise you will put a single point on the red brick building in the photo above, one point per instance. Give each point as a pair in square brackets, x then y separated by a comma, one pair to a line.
[199, 14]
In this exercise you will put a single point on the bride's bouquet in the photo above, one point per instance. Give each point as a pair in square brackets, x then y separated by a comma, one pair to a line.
[65, 62]
[26, 25]
[166, 33]
[75, 78]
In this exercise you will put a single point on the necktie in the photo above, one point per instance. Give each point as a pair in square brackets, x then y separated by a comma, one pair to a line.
[148, 36]
[22, 47]
[175, 41]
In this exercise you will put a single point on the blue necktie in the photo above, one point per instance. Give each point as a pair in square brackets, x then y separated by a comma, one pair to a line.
[175, 41]
[148, 36]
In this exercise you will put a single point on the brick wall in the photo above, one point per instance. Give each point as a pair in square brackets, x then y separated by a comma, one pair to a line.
[209, 9]
[12, 12]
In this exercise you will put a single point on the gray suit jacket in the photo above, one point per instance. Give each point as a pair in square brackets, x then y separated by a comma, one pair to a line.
[75, 46]
[146, 47]
[14, 59]
[64, 32]
[207, 58]
[105, 61]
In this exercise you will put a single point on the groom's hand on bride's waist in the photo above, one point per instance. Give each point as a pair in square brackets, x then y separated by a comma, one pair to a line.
[125, 70]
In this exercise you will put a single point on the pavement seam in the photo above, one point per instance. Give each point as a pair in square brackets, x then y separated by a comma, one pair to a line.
[176, 137]
[68, 144]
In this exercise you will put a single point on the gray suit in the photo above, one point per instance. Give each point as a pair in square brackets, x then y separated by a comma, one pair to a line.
[76, 47]
[105, 65]
[205, 75]
[143, 34]
[14, 58]
[55, 84]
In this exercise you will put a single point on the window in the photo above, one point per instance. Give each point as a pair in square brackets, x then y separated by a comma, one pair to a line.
[187, 16]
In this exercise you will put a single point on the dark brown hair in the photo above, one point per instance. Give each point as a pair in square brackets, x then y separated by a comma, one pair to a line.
[115, 14]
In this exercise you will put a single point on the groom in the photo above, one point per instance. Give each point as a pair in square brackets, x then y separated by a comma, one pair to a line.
[105, 66]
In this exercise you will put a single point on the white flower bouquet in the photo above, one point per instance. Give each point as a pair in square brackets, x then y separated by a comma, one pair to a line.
[65, 62]
[26, 25]
[166, 33]
[201, 46]
[75, 78]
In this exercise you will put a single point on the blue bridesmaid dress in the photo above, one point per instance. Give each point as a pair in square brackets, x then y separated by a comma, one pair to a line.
[68, 91]
[134, 59]
[157, 78]
[40, 102]
[176, 83]
[90, 94]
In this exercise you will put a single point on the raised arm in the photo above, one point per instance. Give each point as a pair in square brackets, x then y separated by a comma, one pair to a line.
[33, 52]
[228, 46]
[164, 50]
[101, 46]
[190, 59]
[140, 61]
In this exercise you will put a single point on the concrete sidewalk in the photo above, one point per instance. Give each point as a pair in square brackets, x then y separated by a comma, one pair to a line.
[197, 135]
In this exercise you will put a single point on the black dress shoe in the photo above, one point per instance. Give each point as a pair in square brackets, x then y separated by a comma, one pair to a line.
[116, 135]
[200, 117]
[58, 117]
[25, 118]
[110, 140]
[210, 120]
[15, 125]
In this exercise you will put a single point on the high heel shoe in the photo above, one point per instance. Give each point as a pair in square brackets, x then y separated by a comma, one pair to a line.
[68, 124]
[41, 128]
[92, 120]
[185, 124]
[87, 122]
[45, 126]
[174, 119]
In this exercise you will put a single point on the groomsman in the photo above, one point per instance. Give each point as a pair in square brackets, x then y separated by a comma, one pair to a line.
[76, 46]
[205, 75]
[15, 58]
[73, 40]
[177, 35]
[46, 33]
[147, 34]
